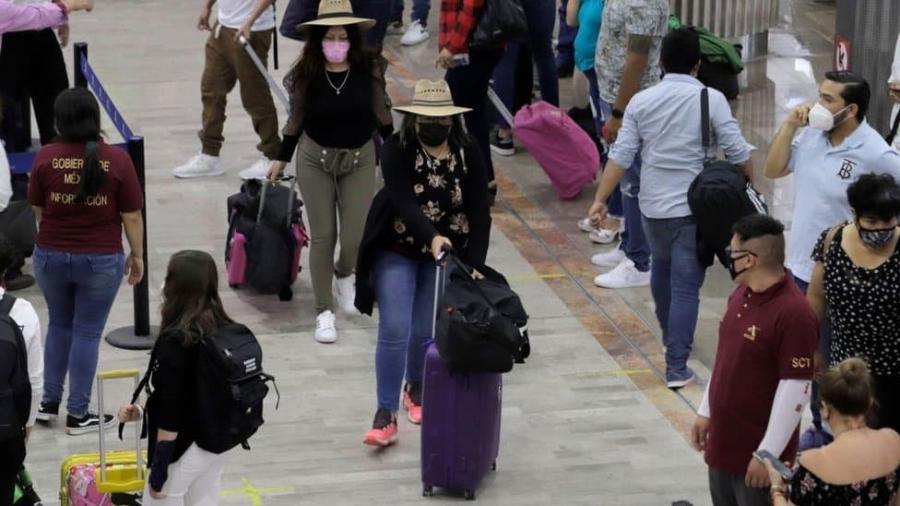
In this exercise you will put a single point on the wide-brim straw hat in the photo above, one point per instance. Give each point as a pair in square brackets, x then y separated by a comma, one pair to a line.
[432, 98]
[337, 13]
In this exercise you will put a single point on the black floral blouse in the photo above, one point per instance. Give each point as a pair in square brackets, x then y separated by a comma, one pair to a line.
[437, 185]
[809, 489]
[863, 306]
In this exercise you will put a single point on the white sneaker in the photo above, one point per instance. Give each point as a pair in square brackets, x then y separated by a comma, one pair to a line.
[625, 275]
[344, 290]
[585, 225]
[609, 258]
[415, 34]
[325, 331]
[259, 169]
[200, 166]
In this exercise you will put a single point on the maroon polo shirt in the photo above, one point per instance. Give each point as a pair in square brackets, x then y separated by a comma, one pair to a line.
[763, 338]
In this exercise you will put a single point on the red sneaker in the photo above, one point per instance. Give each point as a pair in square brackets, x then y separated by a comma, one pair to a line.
[412, 402]
[384, 429]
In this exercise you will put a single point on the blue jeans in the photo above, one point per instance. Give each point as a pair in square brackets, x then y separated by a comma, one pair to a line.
[419, 13]
[824, 349]
[380, 11]
[565, 49]
[404, 289]
[469, 85]
[634, 243]
[541, 18]
[675, 280]
[602, 111]
[79, 289]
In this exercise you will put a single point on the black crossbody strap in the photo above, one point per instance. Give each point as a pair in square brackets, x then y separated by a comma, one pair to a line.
[891, 136]
[704, 118]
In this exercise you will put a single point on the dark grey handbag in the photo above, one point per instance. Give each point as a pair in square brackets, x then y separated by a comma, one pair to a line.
[18, 225]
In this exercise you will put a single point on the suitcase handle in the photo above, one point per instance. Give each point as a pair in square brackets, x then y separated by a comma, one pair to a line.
[139, 455]
[262, 69]
[262, 196]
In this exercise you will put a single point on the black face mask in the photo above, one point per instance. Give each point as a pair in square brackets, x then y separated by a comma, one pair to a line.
[433, 134]
[731, 260]
[875, 238]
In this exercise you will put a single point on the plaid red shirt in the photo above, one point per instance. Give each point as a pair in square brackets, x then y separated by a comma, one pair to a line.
[457, 21]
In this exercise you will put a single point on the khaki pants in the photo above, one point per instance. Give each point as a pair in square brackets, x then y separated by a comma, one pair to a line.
[337, 186]
[226, 64]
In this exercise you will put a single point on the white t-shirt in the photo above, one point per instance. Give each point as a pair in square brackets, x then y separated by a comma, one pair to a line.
[5, 180]
[233, 13]
[24, 314]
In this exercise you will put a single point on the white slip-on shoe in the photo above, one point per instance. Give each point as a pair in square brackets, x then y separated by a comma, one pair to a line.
[200, 166]
[609, 258]
[585, 225]
[625, 275]
[259, 169]
[325, 331]
[344, 290]
[415, 34]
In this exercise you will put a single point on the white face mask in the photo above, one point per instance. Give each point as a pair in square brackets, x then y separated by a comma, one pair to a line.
[821, 118]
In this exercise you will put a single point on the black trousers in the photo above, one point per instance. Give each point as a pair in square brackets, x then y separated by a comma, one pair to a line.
[32, 70]
[469, 85]
[729, 490]
[13, 452]
[886, 411]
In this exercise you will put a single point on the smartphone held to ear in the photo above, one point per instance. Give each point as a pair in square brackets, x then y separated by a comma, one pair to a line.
[764, 456]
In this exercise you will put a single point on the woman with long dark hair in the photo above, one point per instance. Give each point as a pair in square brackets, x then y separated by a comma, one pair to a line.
[338, 102]
[181, 473]
[435, 195]
[83, 192]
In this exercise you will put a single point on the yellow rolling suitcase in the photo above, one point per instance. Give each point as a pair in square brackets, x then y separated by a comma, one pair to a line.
[90, 479]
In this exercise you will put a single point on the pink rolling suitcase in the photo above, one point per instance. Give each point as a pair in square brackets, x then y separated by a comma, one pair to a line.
[460, 424]
[566, 152]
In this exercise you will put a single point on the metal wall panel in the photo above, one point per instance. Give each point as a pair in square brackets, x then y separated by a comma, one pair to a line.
[871, 26]
[730, 19]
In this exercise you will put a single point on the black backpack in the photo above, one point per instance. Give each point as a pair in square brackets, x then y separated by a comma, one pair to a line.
[501, 21]
[718, 197]
[230, 389]
[481, 325]
[15, 402]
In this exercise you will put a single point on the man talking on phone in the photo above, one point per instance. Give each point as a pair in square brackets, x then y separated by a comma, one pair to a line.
[834, 147]
[764, 366]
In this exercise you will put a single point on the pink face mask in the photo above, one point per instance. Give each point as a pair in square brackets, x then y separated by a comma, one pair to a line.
[335, 50]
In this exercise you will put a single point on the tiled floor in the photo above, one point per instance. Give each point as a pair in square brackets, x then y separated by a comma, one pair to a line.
[586, 421]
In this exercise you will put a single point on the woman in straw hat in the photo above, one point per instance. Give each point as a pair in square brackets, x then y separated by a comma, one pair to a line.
[435, 194]
[338, 101]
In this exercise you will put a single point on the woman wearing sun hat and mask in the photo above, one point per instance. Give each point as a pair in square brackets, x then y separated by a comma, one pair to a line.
[435, 194]
[338, 100]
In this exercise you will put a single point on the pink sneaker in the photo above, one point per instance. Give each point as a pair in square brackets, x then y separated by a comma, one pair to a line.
[412, 402]
[384, 429]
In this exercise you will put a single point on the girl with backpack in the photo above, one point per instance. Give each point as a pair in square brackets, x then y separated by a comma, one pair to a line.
[181, 473]
[435, 195]
[338, 101]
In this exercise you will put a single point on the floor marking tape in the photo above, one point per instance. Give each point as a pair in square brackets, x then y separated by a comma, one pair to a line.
[614, 372]
[254, 493]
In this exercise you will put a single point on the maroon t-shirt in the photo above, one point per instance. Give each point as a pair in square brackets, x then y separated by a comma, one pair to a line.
[763, 338]
[95, 225]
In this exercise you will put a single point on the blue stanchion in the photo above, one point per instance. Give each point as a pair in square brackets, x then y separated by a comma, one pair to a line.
[103, 98]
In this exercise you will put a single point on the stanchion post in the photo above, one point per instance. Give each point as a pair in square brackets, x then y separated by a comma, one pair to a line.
[80, 49]
[139, 336]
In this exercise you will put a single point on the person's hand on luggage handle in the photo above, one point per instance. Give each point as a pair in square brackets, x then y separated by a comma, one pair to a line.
[243, 31]
[134, 268]
[276, 169]
[444, 59]
[79, 5]
[775, 478]
[203, 20]
[699, 433]
[757, 474]
[129, 413]
[437, 246]
[597, 213]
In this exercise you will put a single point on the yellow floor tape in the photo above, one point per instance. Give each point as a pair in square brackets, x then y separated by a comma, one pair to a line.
[254, 493]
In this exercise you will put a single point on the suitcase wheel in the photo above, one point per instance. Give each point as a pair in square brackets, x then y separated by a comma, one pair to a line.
[494, 466]
[469, 495]
[427, 491]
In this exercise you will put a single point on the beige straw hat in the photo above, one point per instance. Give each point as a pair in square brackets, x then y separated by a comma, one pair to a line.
[337, 13]
[432, 98]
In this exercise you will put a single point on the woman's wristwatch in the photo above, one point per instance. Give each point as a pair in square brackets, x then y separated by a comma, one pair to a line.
[778, 492]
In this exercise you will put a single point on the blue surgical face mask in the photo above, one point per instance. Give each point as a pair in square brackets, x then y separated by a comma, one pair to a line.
[875, 238]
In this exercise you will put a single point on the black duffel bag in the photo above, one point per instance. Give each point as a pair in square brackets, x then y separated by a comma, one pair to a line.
[481, 324]
[501, 21]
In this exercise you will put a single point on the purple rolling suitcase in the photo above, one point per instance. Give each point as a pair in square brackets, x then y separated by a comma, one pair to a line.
[460, 425]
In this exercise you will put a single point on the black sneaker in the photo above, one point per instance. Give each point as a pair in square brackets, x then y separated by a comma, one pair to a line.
[47, 412]
[502, 145]
[20, 282]
[88, 423]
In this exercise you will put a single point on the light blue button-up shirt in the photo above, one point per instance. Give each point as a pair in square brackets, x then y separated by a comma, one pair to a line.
[663, 124]
[822, 173]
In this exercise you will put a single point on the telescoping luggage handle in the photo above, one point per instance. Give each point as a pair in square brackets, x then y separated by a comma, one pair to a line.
[262, 196]
[138, 482]
[262, 69]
